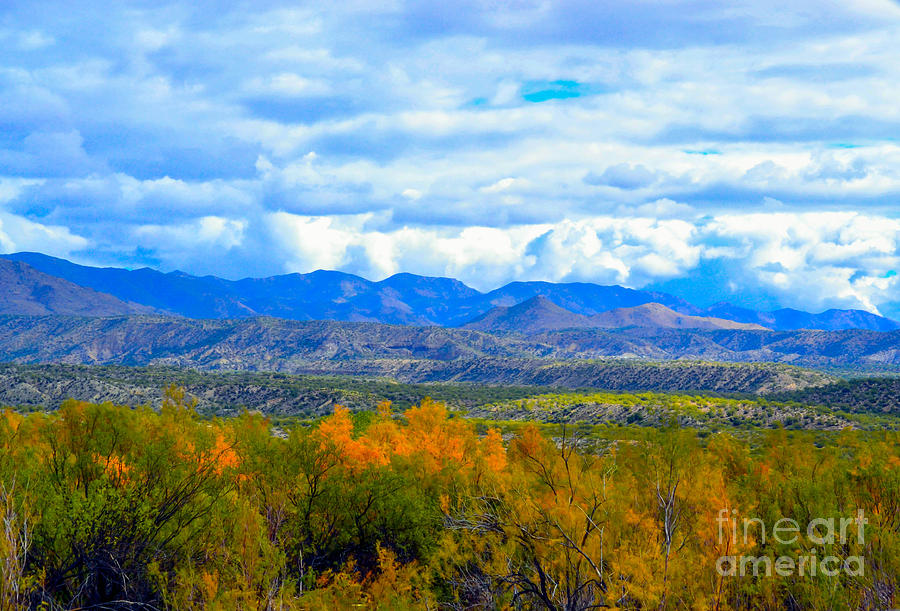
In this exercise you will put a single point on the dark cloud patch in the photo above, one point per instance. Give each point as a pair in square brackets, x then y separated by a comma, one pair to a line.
[50, 154]
[148, 154]
[305, 110]
[387, 144]
[623, 176]
[819, 73]
[321, 200]
[721, 195]
[656, 25]
[773, 129]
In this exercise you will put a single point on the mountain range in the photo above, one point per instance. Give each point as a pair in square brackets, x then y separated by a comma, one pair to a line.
[34, 283]
[406, 327]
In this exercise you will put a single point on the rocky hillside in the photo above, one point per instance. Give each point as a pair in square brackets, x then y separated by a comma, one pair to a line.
[611, 374]
[414, 354]
[228, 393]
[656, 410]
[285, 345]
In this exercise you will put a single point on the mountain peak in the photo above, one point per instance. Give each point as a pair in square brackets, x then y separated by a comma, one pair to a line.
[532, 315]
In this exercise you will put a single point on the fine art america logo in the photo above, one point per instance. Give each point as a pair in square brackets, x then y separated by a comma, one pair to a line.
[786, 531]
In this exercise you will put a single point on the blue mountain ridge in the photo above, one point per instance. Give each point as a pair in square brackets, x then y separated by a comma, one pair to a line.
[403, 298]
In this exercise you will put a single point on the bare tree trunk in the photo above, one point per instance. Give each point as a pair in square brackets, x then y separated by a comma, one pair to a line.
[15, 540]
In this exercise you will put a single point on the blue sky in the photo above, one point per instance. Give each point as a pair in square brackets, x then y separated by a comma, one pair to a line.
[740, 151]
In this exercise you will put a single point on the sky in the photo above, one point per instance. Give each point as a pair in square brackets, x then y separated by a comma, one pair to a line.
[722, 151]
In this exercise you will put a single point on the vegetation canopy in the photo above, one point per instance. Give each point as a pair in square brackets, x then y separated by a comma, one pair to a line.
[106, 506]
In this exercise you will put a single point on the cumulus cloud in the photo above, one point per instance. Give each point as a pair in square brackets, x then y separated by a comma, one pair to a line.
[609, 249]
[819, 260]
[802, 259]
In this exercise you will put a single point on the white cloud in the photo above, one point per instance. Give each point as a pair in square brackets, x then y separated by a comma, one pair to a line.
[617, 250]
[20, 234]
[311, 243]
[206, 234]
[503, 184]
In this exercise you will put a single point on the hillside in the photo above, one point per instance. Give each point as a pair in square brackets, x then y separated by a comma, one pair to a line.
[25, 290]
[610, 374]
[864, 395]
[403, 298]
[827, 349]
[410, 354]
[283, 395]
[659, 410]
[658, 316]
[280, 394]
[230, 393]
[285, 345]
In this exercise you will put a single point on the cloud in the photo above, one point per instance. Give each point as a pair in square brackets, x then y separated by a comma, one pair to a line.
[205, 233]
[615, 250]
[818, 260]
[18, 234]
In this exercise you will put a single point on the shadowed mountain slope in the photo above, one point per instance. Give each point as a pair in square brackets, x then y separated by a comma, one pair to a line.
[25, 290]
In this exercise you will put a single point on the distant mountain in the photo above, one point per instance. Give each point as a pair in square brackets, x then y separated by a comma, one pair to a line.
[25, 290]
[584, 298]
[788, 319]
[405, 299]
[540, 314]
